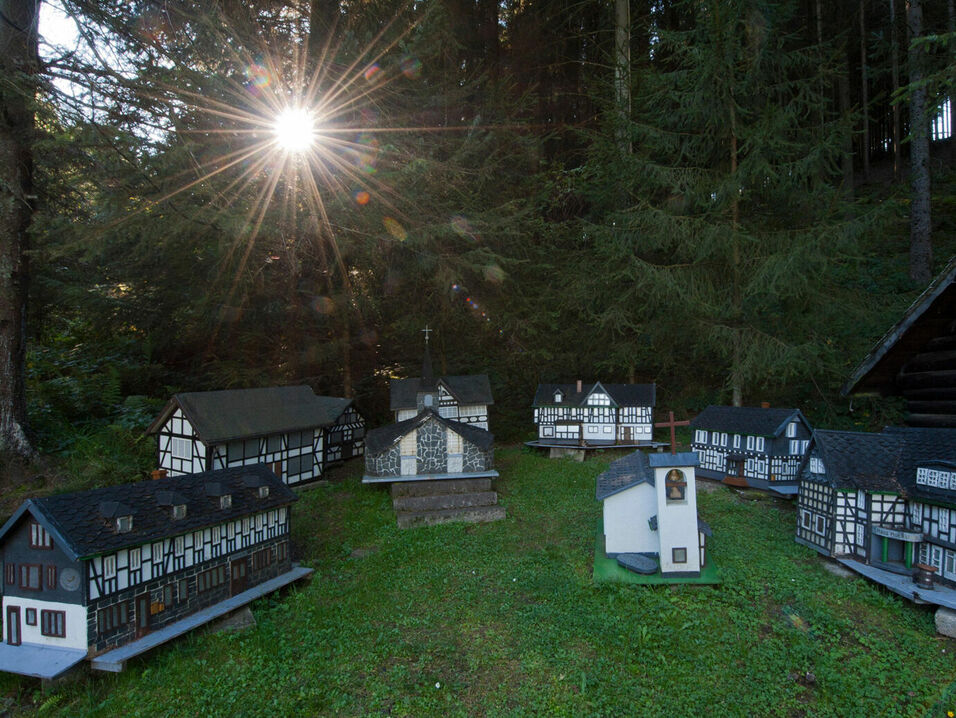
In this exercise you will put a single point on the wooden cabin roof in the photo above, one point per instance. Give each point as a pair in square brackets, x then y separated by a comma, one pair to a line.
[916, 358]
[377, 440]
[467, 389]
[83, 522]
[752, 420]
[231, 414]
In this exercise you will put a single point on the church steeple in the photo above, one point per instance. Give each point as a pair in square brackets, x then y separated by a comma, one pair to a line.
[428, 389]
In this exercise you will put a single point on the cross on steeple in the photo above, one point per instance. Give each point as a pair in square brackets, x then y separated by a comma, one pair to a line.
[426, 331]
[671, 423]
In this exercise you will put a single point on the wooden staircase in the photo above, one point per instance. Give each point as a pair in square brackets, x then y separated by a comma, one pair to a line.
[423, 503]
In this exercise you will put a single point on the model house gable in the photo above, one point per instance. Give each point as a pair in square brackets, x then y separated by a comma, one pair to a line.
[594, 414]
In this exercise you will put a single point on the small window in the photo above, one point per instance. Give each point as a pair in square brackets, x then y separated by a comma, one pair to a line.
[216, 534]
[109, 566]
[135, 558]
[263, 492]
[53, 623]
[179, 545]
[246, 525]
[158, 552]
[558, 397]
[179, 511]
[805, 519]
[225, 501]
[679, 555]
[182, 590]
[260, 520]
[234, 452]
[198, 540]
[792, 430]
[182, 448]
[454, 442]
[112, 617]
[759, 443]
[736, 441]
[675, 486]
[30, 576]
[274, 443]
[124, 524]
[31, 617]
[11, 573]
[168, 596]
[821, 525]
[51, 577]
[750, 443]
[39, 538]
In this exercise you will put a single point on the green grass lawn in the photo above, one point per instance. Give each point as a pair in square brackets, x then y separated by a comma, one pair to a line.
[504, 619]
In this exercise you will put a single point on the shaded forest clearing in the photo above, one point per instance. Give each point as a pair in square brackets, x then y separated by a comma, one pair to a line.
[504, 619]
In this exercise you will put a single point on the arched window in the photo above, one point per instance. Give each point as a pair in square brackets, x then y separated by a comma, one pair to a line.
[675, 486]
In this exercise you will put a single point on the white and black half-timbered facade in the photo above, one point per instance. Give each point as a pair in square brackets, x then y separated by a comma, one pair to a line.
[290, 429]
[594, 414]
[885, 500]
[88, 572]
[759, 447]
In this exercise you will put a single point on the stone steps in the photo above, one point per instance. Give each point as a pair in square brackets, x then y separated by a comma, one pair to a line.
[439, 486]
[470, 515]
[423, 503]
[440, 502]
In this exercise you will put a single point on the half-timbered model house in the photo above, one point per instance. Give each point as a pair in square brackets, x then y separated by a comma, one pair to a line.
[439, 469]
[916, 359]
[290, 429]
[594, 414]
[650, 517]
[464, 399]
[884, 505]
[757, 447]
[111, 572]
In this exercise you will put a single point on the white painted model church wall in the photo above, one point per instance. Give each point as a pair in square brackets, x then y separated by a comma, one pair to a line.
[626, 515]
[76, 625]
[677, 522]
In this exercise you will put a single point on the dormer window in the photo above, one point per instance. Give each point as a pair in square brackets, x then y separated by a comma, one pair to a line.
[124, 524]
[263, 492]
[179, 511]
[225, 501]
[558, 397]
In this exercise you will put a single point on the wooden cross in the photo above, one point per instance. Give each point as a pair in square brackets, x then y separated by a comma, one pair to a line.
[671, 423]
[426, 332]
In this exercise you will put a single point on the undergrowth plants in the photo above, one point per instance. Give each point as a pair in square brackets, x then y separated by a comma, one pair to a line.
[504, 619]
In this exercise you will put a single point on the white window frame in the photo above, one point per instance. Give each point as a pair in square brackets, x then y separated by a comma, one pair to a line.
[181, 448]
[109, 566]
[179, 545]
[792, 430]
[135, 559]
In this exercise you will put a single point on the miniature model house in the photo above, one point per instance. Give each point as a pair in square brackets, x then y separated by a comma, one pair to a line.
[650, 514]
[882, 503]
[462, 398]
[594, 414]
[88, 572]
[757, 447]
[296, 433]
[428, 446]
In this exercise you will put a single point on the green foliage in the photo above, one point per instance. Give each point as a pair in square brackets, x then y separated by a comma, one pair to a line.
[503, 619]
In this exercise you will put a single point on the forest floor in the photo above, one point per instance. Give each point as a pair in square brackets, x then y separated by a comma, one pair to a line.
[504, 619]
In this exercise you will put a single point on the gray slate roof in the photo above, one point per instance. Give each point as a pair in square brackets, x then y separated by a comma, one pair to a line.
[220, 416]
[857, 460]
[81, 522]
[469, 389]
[377, 440]
[621, 394]
[624, 473]
[684, 458]
[752, 420]
[924, 447]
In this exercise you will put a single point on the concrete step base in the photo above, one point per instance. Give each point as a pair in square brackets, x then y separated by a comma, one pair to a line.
[470, 515]
[439, 502]
[439, 486]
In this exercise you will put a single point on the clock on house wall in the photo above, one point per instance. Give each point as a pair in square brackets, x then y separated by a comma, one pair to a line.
[69, 579]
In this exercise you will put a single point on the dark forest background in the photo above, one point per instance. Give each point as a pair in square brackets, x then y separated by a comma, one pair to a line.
[713, 196]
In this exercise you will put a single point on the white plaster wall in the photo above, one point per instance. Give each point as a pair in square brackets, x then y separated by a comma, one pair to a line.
[677, 522]
[75, 622]
[625, 521]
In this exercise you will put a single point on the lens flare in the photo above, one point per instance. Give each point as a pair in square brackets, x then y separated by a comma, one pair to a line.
[395, 229]
[372, 72]
[362, 197]
[411, 67]
[257, 76]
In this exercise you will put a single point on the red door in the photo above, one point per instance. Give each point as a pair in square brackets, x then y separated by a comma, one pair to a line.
[237, 582]
[13, 625]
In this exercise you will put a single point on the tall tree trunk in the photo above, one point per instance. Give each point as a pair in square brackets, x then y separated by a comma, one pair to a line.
[19, 64]
[847, 154]
[865, 93]
[622, 71]
[895, 71]
[921, 248]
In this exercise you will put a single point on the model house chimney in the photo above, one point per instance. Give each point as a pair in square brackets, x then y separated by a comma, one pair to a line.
[765, 405]
[158, 474]
[579, 386]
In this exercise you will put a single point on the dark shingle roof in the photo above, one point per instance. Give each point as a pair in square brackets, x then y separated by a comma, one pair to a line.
[377, 440]
[470, 389]
[624, 473]
[924, 447]
[753, 420]
[621, 394]
[82, 521]
[219, 416]
[858, 460]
